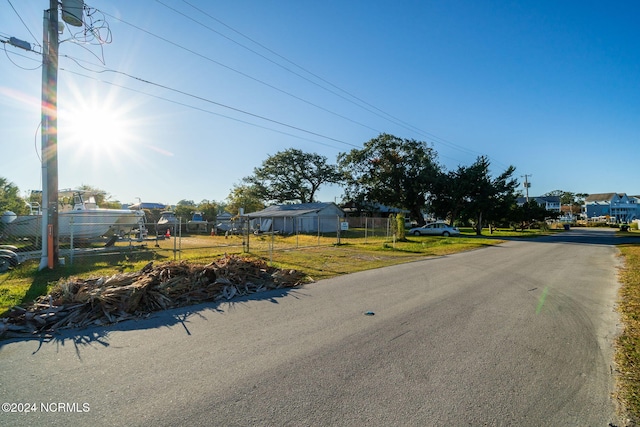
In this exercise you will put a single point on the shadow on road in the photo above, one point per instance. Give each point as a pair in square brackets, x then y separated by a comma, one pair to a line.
[99, 335]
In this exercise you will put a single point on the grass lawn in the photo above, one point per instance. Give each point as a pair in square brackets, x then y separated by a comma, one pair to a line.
[318, 256]
[628, 343]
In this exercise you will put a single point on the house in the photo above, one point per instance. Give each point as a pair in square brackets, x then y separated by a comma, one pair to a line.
[299, 218]
[615, 207]
[550, 203]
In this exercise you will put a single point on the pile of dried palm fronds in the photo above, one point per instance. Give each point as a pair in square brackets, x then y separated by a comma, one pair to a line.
[82, 302]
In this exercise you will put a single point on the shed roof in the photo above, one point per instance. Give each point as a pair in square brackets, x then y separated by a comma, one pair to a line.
[292, 210]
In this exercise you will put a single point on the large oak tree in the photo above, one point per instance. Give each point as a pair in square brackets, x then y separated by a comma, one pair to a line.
[391, 171]
[292, 176]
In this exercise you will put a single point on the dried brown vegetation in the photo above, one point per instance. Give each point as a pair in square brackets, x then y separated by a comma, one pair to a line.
[96, 301]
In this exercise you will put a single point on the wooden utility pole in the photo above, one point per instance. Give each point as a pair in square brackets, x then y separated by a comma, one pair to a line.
[50, 246]
[72, 12]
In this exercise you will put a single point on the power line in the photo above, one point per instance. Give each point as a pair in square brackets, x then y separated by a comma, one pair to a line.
[191, 51]
[23, 23]
[241, 73]
[265, 83]
[386, 116]
[200, 98]
[4, 42]
[393, 120]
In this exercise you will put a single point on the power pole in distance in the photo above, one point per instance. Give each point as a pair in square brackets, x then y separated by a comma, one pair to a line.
[527, 184]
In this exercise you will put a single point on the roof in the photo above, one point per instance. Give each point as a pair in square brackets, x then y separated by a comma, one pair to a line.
[292, 210]
[602, 197]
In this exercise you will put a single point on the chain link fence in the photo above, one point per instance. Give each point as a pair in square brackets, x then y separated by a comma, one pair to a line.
[188, 240]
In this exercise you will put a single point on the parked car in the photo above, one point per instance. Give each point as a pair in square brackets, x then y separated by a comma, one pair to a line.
[435, 229]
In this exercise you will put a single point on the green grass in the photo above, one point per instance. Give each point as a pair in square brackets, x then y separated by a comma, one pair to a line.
[319, 257]
[628, 343]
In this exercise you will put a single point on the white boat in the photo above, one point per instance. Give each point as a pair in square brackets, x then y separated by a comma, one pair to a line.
[84, 221]
[168, 221]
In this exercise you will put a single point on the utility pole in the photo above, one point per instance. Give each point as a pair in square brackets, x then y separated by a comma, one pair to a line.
[72, 11]
[527, 184]
[50, 246]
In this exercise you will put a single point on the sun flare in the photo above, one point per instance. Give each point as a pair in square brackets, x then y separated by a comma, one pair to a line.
[97, 129]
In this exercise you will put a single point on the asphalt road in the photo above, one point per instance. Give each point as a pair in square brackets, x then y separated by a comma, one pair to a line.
[517, 334]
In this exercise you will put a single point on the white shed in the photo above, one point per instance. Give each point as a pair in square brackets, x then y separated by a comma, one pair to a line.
[299, 218]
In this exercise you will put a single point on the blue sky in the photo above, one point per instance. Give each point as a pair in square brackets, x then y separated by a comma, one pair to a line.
[193, 96]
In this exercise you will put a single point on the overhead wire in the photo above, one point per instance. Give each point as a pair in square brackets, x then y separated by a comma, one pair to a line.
[200, 98]
[23, 23]
[389, 116]
[18, 54]
[199, 109]
[257, 80]
[191, 51]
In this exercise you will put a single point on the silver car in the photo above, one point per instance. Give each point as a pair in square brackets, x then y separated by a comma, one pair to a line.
[435, 229]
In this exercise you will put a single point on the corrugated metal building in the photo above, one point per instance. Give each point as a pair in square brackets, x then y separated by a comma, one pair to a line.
[299, 218]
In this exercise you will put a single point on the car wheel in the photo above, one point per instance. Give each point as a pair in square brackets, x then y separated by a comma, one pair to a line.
[416, 233]
[445, 234]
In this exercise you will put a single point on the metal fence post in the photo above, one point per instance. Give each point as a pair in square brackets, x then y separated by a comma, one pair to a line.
[71, 249]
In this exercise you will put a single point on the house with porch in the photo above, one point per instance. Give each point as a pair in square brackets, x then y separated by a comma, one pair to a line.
[612, 207]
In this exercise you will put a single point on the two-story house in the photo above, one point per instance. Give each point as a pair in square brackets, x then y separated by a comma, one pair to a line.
[617, 207]
[550, 203]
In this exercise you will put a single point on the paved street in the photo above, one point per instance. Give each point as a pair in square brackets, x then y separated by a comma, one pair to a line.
[516, 334]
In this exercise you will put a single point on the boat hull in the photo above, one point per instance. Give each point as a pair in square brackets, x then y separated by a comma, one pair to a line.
[79, 224]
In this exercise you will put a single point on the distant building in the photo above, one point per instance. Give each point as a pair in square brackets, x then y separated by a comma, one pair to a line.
[614, 207]
[550, 203]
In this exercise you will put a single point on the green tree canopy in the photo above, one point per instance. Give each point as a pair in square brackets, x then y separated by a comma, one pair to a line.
[488, 199]
[185, 209]
[449, 194]
[10, 199]
[529, 213]
[209, 210]
[292, 176]
[392, 171]
[245, 197]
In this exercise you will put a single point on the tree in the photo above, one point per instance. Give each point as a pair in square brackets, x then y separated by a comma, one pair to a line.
[10, 199]
[292, 176]
[243, 197]
[529, 213]
[184, 210]
[209, 210]
[449, 194]
[488, 199]
[391, 171]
